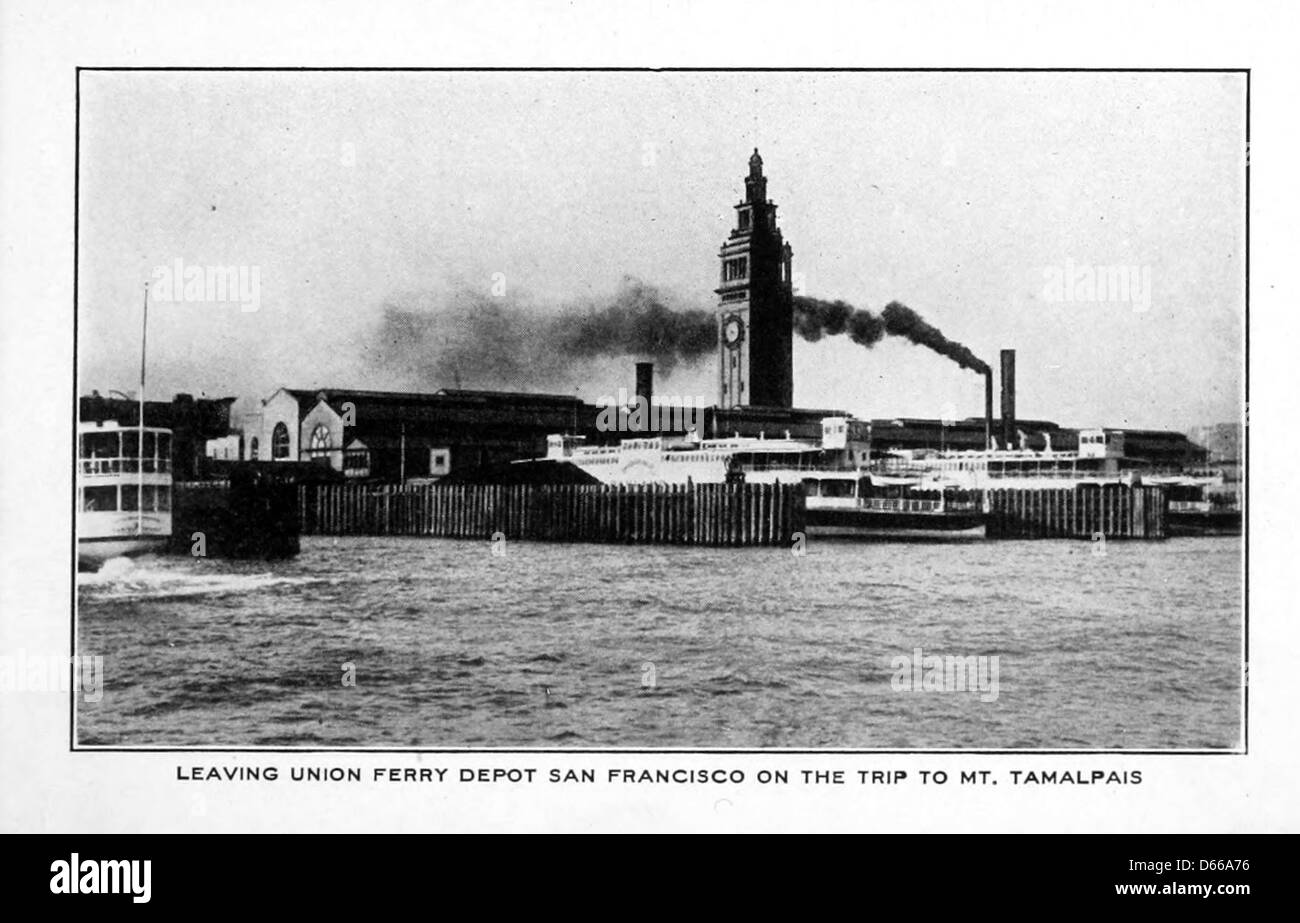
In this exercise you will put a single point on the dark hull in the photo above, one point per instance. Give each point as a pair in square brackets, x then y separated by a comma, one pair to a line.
[92, 552]
[1221, 523]
[895, 526]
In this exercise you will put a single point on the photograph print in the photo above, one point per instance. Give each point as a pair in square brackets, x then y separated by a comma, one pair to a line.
[648, 410]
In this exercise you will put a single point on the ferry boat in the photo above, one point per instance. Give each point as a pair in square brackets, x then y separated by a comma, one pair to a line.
[1099, 459]
[689, 459]
[1200, 503]
[124, 491]
[855, 505]
[843, 499]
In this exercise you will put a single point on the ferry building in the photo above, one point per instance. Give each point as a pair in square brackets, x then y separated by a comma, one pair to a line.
[755, 305]
[402, 436]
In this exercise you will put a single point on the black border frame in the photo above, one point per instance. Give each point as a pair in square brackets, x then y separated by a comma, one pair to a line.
[770, 751]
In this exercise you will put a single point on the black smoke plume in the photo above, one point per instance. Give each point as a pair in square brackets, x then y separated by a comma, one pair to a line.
[814, 318]
[474, 339]
[639, 322]
[902, 321]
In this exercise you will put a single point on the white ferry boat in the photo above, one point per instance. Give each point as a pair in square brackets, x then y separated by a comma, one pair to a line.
[124, 491]
[843, 499]
[1099, 459]
[686, 459]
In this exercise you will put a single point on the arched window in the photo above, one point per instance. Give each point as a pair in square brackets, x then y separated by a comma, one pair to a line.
[252, 449]
[280, 441]
[320, 438]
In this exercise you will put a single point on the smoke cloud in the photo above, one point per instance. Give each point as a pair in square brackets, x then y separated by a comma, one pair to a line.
[815, 318]
[902, 321]
[474, 339]
[639, 322]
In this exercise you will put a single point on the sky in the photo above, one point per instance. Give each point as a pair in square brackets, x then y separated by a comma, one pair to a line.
[983, 201]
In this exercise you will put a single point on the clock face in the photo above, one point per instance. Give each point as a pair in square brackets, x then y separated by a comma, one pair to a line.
[733, 331]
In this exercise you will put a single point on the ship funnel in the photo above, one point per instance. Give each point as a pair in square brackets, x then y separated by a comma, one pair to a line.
[988, 408]
[1008, 396]
[645, 381]
[645, 386]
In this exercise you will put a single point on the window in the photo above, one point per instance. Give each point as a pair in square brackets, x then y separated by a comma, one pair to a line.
[744, 219]
[99, 499]
[130, 498]
[439, 461]
[320, 438]
[252, 448]
[280, 441]
[99, 453]
[131, 451]
[735, 269]
[99, 445]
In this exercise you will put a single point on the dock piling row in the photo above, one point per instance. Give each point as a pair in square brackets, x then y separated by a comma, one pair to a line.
[1084, 511]
[699, 514]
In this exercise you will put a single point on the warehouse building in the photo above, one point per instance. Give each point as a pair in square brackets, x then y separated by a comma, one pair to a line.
[396, 436]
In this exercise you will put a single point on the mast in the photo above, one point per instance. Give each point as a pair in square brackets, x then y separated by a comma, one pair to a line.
[139, 455]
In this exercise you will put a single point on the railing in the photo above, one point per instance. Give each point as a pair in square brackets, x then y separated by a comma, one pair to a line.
[1065, 473]
[812, 465]
[124, 465]
[903, 506]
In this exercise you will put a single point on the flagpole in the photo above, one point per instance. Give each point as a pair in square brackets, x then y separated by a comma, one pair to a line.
[139, 457]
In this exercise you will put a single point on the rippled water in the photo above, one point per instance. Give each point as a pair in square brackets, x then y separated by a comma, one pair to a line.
[612, 646]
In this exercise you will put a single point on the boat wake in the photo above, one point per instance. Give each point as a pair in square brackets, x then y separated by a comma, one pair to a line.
[121, 579]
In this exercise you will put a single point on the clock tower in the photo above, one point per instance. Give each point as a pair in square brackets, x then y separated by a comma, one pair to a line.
[755, 305]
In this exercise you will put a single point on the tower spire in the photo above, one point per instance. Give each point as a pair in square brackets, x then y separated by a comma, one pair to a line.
[755, 304]
[756, 183]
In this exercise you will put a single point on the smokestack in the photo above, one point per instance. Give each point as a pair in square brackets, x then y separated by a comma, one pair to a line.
[988, 407]
[645, 382]
[1008, 397]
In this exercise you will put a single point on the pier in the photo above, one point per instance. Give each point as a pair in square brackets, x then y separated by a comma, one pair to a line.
[1083, 511]
[695, 514]
[253, 514]
[719, 515]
